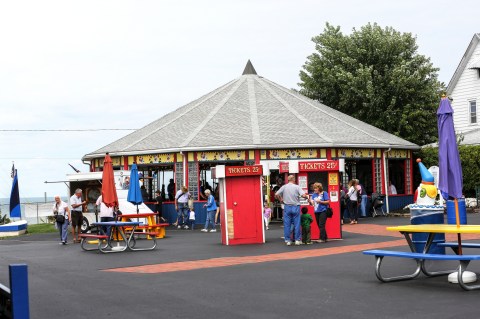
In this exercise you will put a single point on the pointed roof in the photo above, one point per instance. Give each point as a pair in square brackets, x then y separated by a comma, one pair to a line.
[463, 63]
[251, 112]
[249, 69]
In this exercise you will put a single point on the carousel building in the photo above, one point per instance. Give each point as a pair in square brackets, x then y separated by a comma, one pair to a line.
[252, 120]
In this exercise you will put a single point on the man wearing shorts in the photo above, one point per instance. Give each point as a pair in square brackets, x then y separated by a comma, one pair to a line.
[76, 212]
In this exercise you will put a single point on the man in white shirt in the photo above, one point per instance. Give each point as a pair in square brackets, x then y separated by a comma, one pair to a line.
[77, 203]
[290, 195]
[106, 214]
[392, 190]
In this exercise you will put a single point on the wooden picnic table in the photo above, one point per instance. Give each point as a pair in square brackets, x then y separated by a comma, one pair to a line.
[151, 226]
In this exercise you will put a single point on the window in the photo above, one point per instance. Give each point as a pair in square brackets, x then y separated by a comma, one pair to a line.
[473, 112]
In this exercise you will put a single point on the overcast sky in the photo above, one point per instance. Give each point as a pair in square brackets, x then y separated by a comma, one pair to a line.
[122, 64]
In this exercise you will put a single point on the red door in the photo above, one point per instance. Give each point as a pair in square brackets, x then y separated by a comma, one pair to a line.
[243, 197]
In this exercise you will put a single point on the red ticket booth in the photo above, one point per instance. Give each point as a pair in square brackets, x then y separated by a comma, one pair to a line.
[241, 204]
[327, 173]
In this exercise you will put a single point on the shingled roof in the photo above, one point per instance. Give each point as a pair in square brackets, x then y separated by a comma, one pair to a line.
[251, 112]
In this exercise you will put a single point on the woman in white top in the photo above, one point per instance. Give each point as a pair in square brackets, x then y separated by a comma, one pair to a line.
[352, 202]
[60, 208]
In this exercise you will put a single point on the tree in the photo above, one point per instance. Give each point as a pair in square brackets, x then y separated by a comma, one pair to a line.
[376, 76]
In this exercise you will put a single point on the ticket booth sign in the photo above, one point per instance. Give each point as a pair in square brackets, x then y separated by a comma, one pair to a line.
[240, 202]
[327, 173]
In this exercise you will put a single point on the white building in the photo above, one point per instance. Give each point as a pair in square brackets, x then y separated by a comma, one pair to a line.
[464, 89]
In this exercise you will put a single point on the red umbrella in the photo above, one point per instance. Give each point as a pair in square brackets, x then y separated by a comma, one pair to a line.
[109, 192]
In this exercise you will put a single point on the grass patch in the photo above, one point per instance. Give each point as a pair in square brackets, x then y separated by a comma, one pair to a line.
[41, 228]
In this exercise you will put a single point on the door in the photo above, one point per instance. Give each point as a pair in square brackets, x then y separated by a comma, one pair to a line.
[244, 199]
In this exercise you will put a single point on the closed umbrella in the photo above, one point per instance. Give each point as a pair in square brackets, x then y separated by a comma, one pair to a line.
[134, 193]
[109, 191]
[450, 168]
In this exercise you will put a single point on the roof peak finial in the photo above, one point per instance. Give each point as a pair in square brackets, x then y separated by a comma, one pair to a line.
[249, 69]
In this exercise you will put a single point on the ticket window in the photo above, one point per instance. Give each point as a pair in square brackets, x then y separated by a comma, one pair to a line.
[327, 174]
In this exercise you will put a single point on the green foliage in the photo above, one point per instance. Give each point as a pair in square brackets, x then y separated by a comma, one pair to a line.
[41, 228]
[376, 76]
[470, 158]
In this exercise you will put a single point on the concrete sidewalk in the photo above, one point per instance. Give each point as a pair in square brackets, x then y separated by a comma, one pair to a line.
[191, 275]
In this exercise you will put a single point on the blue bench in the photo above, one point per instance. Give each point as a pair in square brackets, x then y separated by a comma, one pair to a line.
[454, 245]
[14, 300]
[463, 260]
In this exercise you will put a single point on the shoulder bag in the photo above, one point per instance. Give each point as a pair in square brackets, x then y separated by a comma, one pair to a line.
[60, 219]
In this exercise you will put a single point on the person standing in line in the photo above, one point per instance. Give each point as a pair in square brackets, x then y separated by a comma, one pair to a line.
[171, 190]
[363, 199]
[60, 208]
[77, 216]
[392, 190]
[352, 195]
[267, 214]
[306, 221]
[159, 207]
[211, 206]
[320, 201]
[290, 194]
[343, 203]
[191, 218]
[181, 206]
[106, 214]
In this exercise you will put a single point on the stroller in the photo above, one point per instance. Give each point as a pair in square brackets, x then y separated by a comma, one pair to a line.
[377, 201]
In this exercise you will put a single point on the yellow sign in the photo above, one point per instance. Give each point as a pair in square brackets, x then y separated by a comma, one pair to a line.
[356, 153]
[292, 153]
[332, 179]
[398, 154]
[155, 158]
[221, 156]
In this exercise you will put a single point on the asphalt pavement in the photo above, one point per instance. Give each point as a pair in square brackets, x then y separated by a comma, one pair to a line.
[191, 275]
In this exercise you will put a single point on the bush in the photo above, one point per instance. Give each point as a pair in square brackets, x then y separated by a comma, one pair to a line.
[470, 159]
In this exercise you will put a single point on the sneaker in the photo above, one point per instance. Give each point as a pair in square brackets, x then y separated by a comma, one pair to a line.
[204, 230]
[298, 242]
[267, 228]
[186, 227]
[64, 242]
[309, 243]
[213, 230]
[289, 243]
[179, 227]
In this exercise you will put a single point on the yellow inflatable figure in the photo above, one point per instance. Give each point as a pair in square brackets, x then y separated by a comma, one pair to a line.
[427, 191]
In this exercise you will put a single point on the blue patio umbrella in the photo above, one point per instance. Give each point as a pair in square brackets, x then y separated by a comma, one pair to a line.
[134, 193]
[450, 168]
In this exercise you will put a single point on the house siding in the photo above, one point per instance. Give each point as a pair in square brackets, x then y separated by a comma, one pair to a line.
[466, 89]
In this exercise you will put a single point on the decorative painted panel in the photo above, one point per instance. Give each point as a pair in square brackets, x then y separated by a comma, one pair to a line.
[292, 153]
[356, 153]
[221, 156]
[155, 158]
[263, 154]
[116, 161]
[398, 154]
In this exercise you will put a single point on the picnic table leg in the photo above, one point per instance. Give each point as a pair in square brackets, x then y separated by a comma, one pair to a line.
[461, 268]
[378, 264]
[409, 241]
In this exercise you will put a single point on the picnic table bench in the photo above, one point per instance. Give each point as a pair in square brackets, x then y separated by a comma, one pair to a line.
[421, 257]
[100, 239]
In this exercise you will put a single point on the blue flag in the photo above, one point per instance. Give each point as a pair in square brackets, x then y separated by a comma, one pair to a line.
[15, 196]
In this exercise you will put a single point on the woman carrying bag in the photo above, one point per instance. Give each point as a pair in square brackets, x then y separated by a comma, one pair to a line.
[61, 212]
[320, 201]
[352, 195]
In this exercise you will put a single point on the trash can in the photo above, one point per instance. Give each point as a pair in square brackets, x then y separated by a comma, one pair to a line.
[421, 214]
[462, 212]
